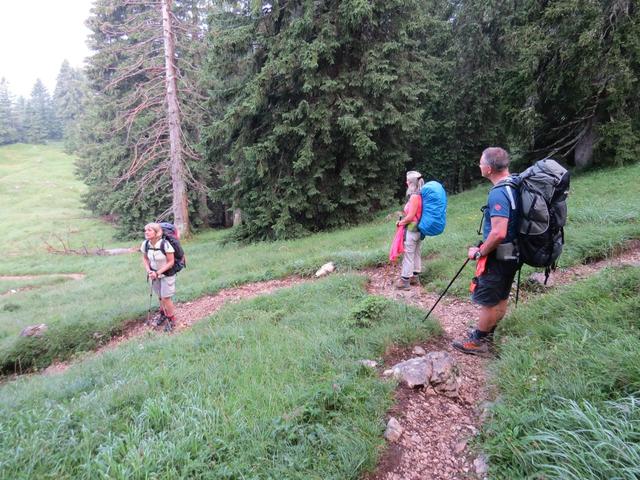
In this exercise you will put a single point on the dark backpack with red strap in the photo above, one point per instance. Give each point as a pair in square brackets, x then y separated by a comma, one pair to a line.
[171, 235]
[543, 189]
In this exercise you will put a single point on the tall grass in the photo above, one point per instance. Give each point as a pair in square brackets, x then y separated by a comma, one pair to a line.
[586, 441]
[569, 377]
[269, 388]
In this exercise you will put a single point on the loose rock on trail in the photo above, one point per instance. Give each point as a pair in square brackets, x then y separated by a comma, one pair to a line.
[437, 429]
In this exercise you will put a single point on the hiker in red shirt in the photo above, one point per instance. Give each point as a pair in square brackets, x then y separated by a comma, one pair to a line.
[411, 260]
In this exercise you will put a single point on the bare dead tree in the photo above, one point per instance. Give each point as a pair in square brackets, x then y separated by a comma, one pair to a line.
[179, 203]
[157, 99]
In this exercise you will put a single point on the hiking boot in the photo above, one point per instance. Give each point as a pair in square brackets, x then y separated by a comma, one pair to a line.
[472, 347]
[159, 319]
[403, 284]
[414, 280]
[168, 327]
[475, 344]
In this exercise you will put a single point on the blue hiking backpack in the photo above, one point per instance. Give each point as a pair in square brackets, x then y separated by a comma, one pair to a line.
[434, 209]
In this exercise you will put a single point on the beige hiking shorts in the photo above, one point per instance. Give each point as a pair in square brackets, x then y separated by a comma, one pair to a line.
[165, 287]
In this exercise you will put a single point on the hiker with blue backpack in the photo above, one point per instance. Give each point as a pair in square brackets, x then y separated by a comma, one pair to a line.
[496, 256]
[425, 215]
[411, 258]
[162, 258]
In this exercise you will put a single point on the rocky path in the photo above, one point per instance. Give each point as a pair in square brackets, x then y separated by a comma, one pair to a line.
[438, 430]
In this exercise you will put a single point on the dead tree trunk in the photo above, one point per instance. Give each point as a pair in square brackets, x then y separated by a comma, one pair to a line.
[178, 177]
[583, 154]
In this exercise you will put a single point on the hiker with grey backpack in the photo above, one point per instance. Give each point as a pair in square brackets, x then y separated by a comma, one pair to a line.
[162, 258]
[523, 223]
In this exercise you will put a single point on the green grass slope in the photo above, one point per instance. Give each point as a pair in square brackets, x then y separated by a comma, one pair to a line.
[604, 210]
[270, 388]
[569, 383]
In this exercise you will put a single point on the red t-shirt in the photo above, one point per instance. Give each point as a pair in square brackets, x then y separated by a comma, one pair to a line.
[416, 200]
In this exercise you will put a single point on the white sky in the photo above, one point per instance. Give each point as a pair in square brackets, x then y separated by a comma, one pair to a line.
[36, 36]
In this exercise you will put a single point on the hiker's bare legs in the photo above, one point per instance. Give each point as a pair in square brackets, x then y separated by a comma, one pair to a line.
[490, 316]
[167, 307]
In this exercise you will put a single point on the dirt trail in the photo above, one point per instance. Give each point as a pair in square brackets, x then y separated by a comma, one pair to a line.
[188, 313]
[17, 278]
[14, 278]
[438, 430]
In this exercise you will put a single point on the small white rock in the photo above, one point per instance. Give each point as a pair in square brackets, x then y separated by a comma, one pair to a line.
[325, 269]
[460, 446]
[418, 350]
[481, 466]
[394, 430]
[368, 363]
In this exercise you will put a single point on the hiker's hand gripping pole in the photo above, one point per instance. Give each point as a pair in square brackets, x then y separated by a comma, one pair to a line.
[450, 283]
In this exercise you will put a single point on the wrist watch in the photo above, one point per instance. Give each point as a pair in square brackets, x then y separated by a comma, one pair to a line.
[477, 255]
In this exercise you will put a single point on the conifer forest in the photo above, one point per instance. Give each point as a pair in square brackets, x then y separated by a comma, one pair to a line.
[296, 116]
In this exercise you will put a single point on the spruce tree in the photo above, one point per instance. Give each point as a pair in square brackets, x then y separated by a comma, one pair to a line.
[8, 133]
[39, 115]
[465, 116]
[20, 119]
[572, 89]
[69, 98]
[316, 104]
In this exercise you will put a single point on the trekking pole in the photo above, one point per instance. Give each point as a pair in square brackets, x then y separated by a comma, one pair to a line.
[451, 282]
[446, 289]
[518, 286]
[150, 300]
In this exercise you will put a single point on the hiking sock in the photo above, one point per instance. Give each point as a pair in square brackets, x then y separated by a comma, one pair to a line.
[480, 335]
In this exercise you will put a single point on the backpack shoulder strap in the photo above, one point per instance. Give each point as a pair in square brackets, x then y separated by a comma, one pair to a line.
[146, 246]
[509, 189]
[510, 185]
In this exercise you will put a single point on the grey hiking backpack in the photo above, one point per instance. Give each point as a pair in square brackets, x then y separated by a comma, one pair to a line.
[543, 188]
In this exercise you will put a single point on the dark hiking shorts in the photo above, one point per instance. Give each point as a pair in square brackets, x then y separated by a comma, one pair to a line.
[494, 284]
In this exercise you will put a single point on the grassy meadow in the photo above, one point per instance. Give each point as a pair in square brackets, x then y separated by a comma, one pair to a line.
[81, 314]
[271, 388]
